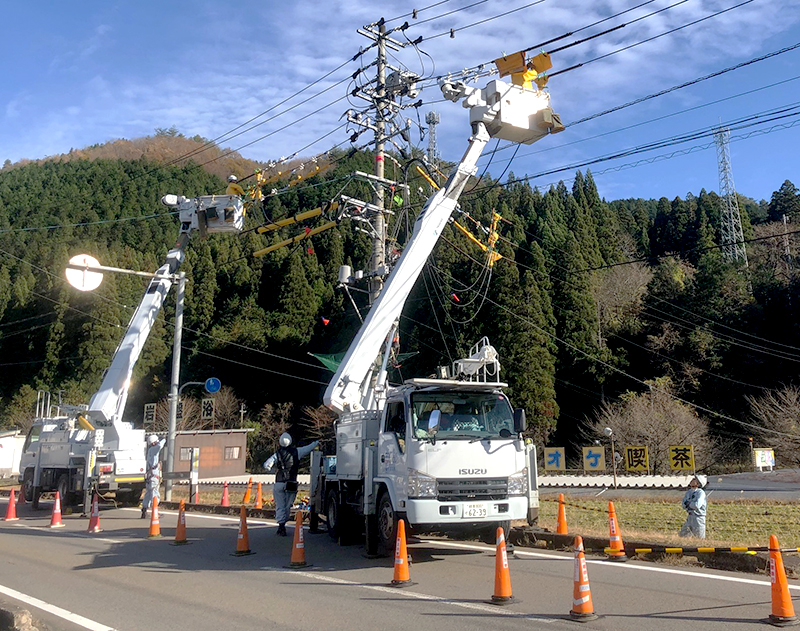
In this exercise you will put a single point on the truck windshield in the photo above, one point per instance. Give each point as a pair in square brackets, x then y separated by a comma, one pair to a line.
[461, 416]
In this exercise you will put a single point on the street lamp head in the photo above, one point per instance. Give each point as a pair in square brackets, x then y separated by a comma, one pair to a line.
[608, 431]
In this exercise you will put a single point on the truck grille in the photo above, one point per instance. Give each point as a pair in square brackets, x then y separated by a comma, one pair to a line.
[454, 490]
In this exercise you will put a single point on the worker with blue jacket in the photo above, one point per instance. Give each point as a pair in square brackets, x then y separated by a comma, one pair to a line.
[286, 462]
[694, 503]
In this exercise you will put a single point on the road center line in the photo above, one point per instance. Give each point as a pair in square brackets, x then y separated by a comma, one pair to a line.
[53, 609]
[419, 596]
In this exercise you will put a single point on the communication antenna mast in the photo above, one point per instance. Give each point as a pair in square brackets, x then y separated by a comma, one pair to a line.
[432, 119]
[731, 236]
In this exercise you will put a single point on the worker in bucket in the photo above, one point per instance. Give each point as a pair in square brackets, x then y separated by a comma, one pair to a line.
[285, 462]
[153, 474]
[694, 503]
[234, 188]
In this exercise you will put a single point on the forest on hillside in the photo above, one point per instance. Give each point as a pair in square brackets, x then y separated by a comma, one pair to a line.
[595, 306]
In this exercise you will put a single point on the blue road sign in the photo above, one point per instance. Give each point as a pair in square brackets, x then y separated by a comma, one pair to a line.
[213, 385]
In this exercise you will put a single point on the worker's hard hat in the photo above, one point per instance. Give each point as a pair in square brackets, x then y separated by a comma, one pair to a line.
[233, 178]
[152, 439]
[701, 480]
[285, 440]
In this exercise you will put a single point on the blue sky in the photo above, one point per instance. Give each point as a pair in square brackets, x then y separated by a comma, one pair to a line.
[89, 72]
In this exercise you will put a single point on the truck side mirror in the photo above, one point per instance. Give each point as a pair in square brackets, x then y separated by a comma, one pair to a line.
[433, 420]
[520, 424]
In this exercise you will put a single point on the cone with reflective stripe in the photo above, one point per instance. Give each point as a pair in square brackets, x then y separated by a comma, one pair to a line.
[246, 498]
[155, 524]
[259, 497]
[616, 547]
[225, 499]
[21, 496]
[180, 531]
[55, 519]
[401, 573]
[561, 527]
[94, 519]
[243, 541]
[298, 544]
[582, 607]
[11, 511]
[502, 578]
[782, 608]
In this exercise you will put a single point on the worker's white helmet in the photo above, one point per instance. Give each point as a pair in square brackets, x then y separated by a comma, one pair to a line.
[152, 439]
[233, 178]
[285, 440]
[701, 480]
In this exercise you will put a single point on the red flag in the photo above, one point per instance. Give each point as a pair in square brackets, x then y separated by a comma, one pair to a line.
[325, 321]
[455, 297]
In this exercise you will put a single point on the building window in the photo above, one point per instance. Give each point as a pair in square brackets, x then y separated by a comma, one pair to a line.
[186, 453]
[232, 453]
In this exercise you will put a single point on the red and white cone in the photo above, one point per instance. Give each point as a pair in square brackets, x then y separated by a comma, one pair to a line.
[94, 520]
[55, 519]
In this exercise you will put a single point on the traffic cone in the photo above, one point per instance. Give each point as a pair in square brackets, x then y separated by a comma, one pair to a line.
[617, 552]
[582, 607]
[298, 544]
[180, 531]
[502, 578]
[246, 498]
[94, 519]
[259, 497]
[21, 497]
[225, 499]
[55, 519]
[782, 608]
[561, 527]
[155, 524]
[243, 541]
[11, 511]
[401, 575]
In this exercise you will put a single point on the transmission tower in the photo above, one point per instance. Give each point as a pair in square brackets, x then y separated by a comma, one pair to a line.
[731, 236]
[432, 119]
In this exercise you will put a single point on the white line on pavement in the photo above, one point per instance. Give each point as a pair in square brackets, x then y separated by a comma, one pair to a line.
[56, 611]
[71, 534]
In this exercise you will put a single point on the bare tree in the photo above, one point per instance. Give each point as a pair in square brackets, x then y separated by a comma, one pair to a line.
[188, 419]
[227, 408]
[655, 419]
[619, 293]
[778, 413]
[318, 425]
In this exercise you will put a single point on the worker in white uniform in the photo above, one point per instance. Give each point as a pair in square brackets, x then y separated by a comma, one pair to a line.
[286, 462]
[694, 503]
[153, 471]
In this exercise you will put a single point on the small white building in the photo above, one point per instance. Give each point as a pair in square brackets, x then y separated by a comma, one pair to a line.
[10, 452]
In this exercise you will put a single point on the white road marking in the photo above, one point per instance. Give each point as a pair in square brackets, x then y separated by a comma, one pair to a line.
[394, 591]
[56, 611]
[624, 566]
[72, 534]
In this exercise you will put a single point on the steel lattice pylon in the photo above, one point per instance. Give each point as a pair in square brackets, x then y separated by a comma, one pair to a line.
[730, 234]
[432, 119]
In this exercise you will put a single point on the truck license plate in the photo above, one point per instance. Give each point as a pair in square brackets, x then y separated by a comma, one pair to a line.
[474, 510]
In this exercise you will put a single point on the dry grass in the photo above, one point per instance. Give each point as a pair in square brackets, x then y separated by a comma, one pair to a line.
[728, 522]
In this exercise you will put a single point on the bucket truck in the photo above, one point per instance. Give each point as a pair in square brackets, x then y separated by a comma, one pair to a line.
[443, 454]
[74, 450]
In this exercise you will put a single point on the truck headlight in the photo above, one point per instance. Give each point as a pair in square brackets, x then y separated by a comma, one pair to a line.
[518, 483]
[420, 485]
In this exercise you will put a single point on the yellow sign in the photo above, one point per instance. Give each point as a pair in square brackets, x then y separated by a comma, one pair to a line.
[637, 458]
[681, 458]
[555, 459]
[594, 458]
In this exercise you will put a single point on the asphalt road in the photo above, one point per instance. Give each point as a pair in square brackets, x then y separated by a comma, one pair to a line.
[122, 580]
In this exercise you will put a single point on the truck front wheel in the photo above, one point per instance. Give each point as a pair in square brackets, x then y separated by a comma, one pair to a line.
[387, 525]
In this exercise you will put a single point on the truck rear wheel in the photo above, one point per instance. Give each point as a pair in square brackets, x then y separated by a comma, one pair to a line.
[62, 486]
[332, 512]
[27, 484]
[387, 525]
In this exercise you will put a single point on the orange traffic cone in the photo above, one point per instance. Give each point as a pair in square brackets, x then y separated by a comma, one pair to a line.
[21, 497]
[617, 552]
[561, 527]
[225, 499]
[259, 497]
[180, 531]
[246, 498]
[155, 524]
[401, 575]
[582, 607]
[502, 578]
[11, 511]
[94, 520]
[243, 541]
[782, 608]
[298, 544]
[55, 519]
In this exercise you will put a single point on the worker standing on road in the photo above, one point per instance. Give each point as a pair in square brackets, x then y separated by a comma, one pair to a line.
[153, 474]
[234, 188]
[286, 462]
[694, 503]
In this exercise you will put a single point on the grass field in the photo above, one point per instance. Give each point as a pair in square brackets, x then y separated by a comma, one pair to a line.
[657, 520]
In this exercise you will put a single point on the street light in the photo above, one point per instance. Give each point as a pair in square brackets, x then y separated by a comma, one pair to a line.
[610, 434]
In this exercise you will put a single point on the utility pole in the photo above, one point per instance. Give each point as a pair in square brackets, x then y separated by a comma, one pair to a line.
[378, 259]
